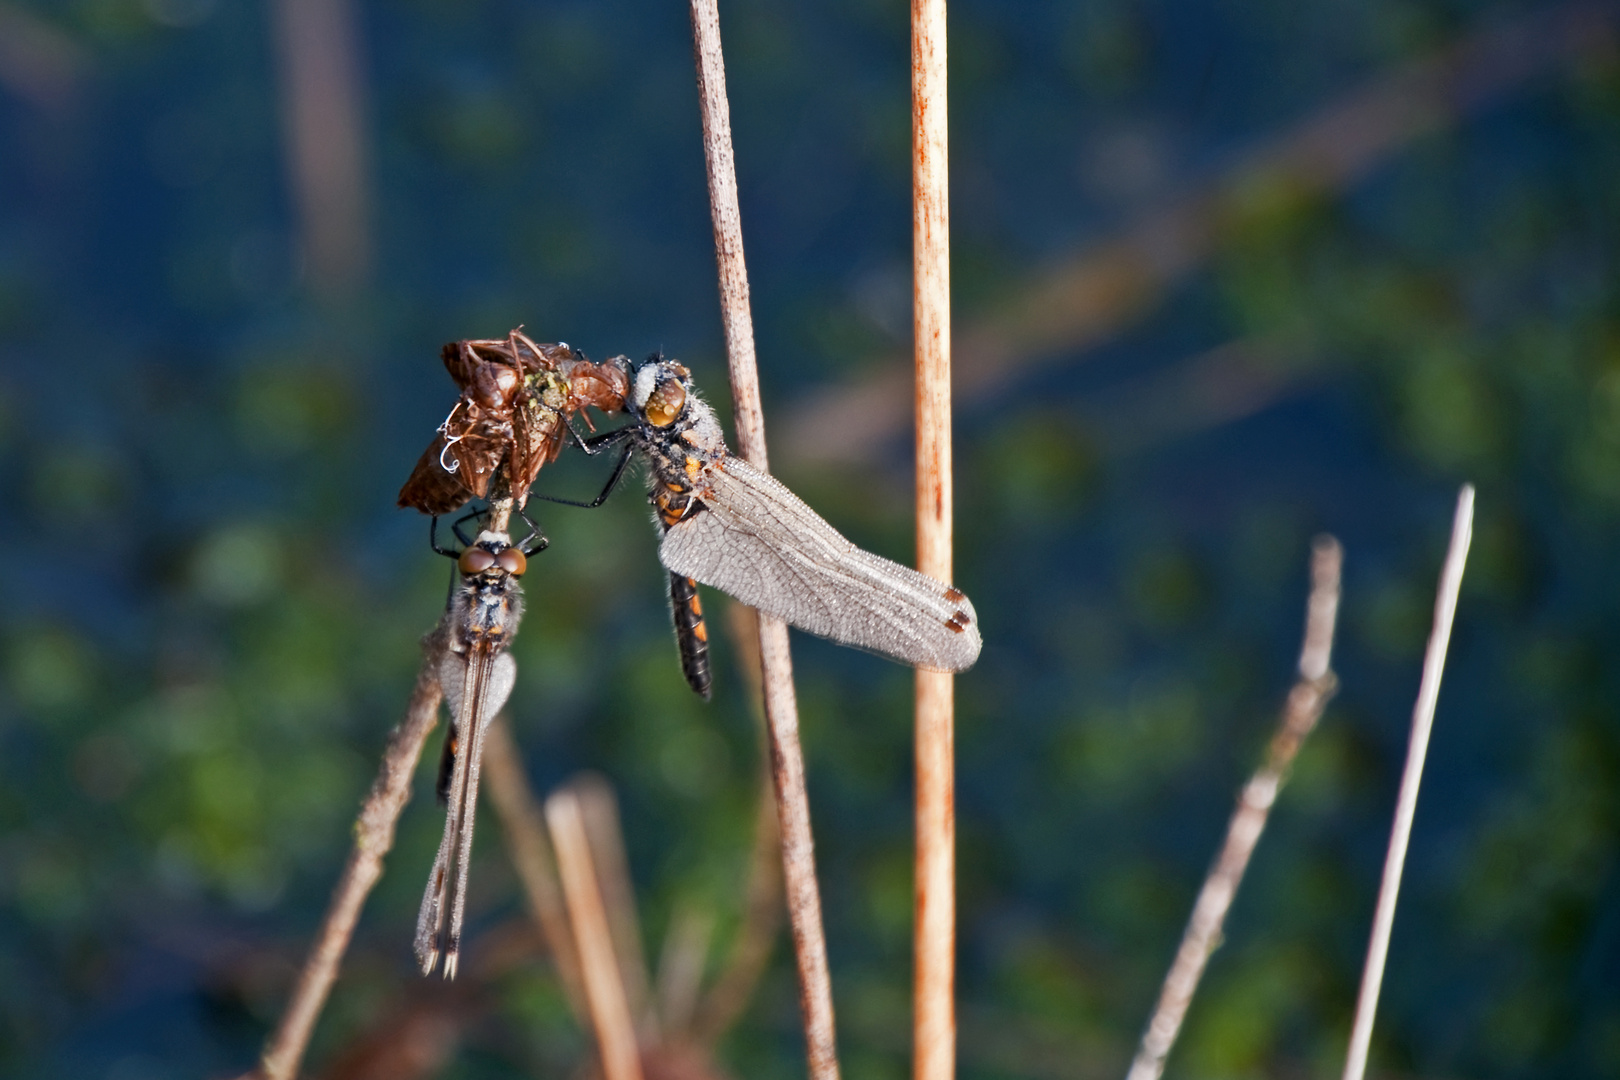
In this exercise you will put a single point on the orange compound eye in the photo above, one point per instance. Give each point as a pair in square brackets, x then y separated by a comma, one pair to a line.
[512, 561]
[666, 403]
[475, 560]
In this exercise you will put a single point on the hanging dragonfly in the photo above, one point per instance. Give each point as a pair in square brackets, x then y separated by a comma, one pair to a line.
[727, 525]
[477, 673]
[516, 399]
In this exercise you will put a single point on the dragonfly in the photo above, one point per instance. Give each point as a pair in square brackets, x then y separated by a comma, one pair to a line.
[517, 398]
[515, 409]
[730, 526]
[477, 673]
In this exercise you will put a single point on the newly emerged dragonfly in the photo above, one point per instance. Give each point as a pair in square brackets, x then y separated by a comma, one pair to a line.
[477, 674]
[728, 525]
[516, 400]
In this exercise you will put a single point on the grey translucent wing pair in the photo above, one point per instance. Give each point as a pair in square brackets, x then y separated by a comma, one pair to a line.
[759, 542]
[476, 686]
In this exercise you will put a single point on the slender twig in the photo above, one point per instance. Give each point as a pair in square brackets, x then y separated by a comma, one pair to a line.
[934, 966]
[736, 316]
[610, 1013]
[1434, 662]
[1303, 708]
[781, 707]
[373, 836]
[524, 830]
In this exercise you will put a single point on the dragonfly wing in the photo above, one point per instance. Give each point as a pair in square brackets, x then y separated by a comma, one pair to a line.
[501, 677]
[476, 686]
[759, 542]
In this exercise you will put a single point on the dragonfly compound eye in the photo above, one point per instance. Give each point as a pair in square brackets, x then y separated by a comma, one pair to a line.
[512, 561]
[665, 404]
[475, 560]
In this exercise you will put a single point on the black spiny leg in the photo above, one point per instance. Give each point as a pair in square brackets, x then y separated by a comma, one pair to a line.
[447, 766]
[691, 636]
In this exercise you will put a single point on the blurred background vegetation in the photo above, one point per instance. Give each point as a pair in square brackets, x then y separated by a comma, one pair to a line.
[1226, 275]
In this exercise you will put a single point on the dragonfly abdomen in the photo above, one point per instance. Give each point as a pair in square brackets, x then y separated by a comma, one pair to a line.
[691, 635]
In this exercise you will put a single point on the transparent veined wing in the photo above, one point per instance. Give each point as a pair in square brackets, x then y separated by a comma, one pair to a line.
[476, 685]
[759, 542]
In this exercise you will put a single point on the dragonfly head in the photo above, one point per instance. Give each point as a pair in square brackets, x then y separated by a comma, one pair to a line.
[492, 554]
[660, 391]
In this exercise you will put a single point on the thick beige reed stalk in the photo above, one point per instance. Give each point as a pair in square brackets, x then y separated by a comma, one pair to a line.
[934, 974]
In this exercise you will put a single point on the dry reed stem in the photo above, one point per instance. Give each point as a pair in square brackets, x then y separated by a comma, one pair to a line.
[1303, 708]
[1092, 295]
[681, 963]
[524, 829]
[736, 316]
[610, 1013]
[1434, 662]
[751, 948]
[934, 945]
[781, 706]
[798, 850]
[317, 51]
[373, 836]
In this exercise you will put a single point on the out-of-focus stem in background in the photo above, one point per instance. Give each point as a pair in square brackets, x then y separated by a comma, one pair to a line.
[599, 962]
[318, 62]
[39, 62]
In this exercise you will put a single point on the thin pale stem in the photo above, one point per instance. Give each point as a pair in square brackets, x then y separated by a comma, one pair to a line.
[1434, 663]
[373, 836]
[610, 1013]
[1303, 708]
[781, 708]
[934, 974]
[523, 827]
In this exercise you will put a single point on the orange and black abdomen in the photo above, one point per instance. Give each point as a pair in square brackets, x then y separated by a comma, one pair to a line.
[691, 636]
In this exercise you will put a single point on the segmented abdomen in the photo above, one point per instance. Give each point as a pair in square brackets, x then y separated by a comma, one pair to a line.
[691, 636]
